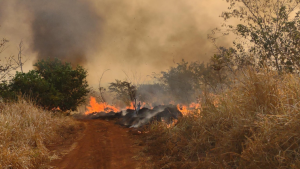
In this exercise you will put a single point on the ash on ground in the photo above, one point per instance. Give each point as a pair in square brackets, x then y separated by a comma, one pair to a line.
[136, 119]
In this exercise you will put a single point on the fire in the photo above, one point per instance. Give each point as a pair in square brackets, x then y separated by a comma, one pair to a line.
[100, 107]
[131, 106]
[143, 105]
[195, 105]
[104, 107]
[174, 122]
[185, 110]
[56, 109]
[150, 106]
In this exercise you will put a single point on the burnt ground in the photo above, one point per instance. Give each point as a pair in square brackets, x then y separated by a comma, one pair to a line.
[103, 145]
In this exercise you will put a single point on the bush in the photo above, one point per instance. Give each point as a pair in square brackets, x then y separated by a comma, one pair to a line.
[5, 93]
[70, 84]
[254, 124]
[155, 93]
[186, 81]
[53, 84]
[34, 86]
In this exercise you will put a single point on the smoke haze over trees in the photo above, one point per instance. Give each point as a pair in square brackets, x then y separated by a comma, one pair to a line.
[112, 34]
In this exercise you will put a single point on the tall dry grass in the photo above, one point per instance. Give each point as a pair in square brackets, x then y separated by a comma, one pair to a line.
[256, 124]
[25, 130]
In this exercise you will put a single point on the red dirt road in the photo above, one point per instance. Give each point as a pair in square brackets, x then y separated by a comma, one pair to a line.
[103, 145]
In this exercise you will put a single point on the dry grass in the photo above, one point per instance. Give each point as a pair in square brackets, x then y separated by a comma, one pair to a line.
[25, 131]
[255, 125]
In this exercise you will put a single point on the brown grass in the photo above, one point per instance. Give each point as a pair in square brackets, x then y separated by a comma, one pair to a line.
[255, 125]
[25, 131]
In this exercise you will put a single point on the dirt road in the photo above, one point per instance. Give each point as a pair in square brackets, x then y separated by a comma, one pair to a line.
[103, 145]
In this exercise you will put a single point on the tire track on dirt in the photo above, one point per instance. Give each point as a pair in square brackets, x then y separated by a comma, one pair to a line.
[103, 145]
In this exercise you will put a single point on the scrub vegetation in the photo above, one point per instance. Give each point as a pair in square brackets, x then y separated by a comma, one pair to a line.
[249, 115]
[252, 120]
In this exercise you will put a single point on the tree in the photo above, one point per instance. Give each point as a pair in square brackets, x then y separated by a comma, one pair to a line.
[9, 64]
[155, 93]
[124, 90]
[71, 84]
[34, 86]
[53, 84]
[180, 82]
[268, 34]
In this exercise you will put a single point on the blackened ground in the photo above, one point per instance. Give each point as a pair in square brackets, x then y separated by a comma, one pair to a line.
[130, 118]
[145, 116]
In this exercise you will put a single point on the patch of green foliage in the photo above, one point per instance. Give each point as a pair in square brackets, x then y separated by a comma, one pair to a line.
[53, 84]
[267, 36]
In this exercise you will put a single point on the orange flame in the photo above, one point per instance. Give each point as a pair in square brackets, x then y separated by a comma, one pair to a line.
[131, 106]
[174, 122]
[195, 105]
[185, 110]
[150, 106]
[56, 109]
[100, 107]
[143, 105]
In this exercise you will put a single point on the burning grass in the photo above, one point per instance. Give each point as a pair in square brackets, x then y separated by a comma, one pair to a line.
[100, 107]
[25, 131]
[254, 125]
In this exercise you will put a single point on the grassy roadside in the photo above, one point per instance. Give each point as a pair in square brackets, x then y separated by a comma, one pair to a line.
[254, 125]
[25, 132]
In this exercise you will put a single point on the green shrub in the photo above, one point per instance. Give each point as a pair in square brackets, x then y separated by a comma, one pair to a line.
[71, 84]
[53, 84]
[5, 93]
[34, 86]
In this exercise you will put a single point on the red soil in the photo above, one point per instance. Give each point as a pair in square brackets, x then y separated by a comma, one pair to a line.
[103, 145]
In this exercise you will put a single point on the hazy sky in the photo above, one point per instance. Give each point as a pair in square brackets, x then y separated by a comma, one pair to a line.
[137, 37]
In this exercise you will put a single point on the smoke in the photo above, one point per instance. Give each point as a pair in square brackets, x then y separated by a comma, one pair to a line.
[63, 29]
[157, 33]
[143, 36]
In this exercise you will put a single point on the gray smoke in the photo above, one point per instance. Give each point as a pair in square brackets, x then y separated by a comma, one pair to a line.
[143, 36]
[63, 29]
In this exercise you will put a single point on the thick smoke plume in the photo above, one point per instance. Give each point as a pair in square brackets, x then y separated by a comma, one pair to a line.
[63, 29]
[143, 36]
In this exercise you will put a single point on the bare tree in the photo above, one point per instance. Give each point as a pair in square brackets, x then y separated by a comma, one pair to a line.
[19, 59]
[9, 64]
[102, 89]
[6, 64]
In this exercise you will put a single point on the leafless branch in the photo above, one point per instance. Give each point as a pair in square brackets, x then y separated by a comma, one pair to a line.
[101, 88]
[9, 64]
